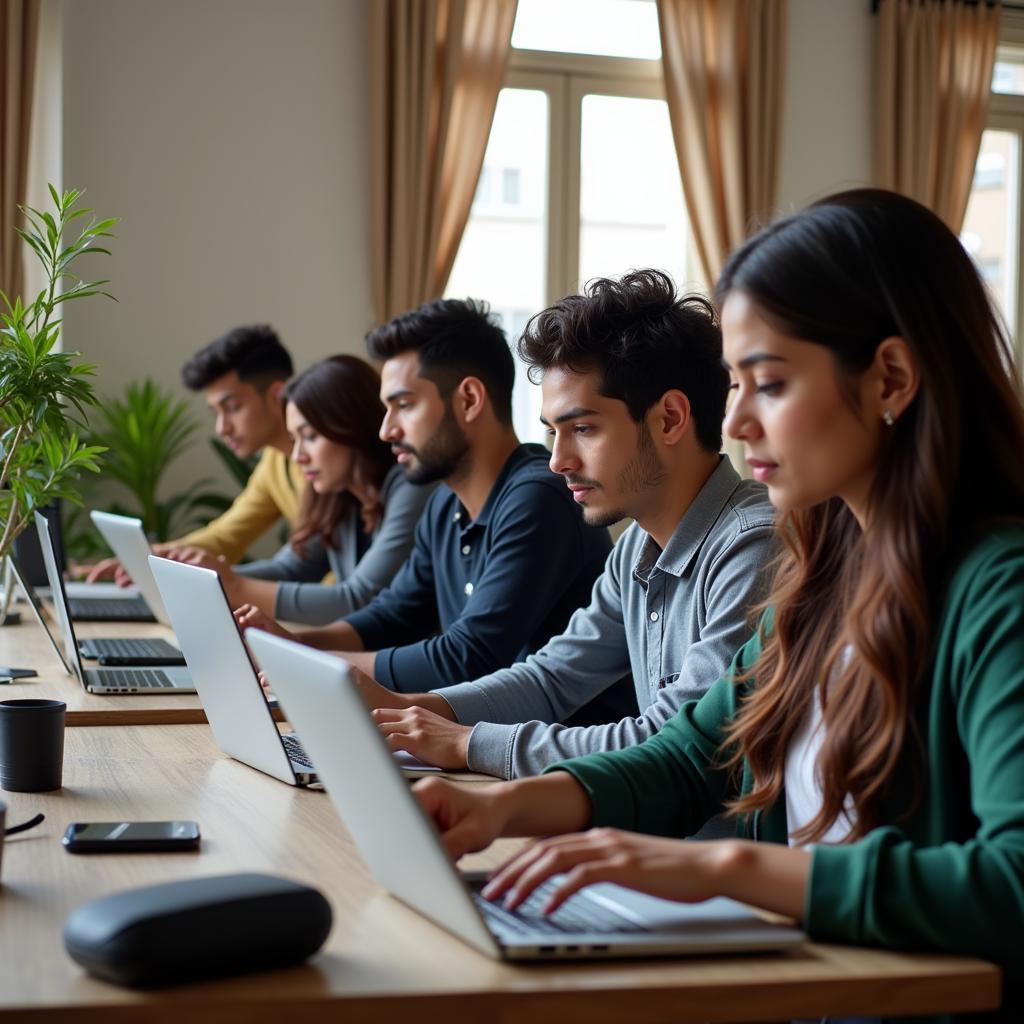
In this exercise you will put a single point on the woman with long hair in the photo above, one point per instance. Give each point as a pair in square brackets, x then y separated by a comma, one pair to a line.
[872, 728]
[358, 514]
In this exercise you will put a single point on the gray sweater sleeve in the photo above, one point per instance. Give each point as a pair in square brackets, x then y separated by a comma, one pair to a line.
[319, 603]
[734, 584]
[567, 672]
[288, 565]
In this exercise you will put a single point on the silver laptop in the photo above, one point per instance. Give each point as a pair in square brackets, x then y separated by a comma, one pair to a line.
[133, 652]
[403, 850]
[102, 680]
[38, 611]
[237, 708]
[232, 695]
[127, 539]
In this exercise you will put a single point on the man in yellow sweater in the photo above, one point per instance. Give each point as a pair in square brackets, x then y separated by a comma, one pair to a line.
[241, 376]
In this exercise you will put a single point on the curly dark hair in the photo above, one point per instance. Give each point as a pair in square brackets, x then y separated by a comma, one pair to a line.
[643, 339]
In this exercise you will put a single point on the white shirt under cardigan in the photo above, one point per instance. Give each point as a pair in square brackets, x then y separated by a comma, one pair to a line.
[803, 786]
[803, 801]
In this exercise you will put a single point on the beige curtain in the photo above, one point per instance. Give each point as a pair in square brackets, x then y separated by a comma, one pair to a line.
[19, 29]
[436, 69]
[934, 71]
[723, 62]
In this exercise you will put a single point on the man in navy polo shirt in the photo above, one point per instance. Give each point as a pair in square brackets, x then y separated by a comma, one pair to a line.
[502, 556]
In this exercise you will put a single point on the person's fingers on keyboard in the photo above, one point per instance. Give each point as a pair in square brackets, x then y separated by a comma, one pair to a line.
[104, 570]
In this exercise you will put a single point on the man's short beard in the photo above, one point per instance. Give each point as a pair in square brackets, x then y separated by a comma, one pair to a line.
[442, 456]
[641, 473]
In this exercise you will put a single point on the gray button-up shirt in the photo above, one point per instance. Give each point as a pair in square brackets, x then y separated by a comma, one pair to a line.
[672, 618]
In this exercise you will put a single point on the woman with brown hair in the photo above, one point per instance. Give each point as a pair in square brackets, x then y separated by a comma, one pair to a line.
[872, 729]
[358, 514]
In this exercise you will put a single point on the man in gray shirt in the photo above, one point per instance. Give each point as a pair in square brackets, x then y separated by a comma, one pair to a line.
[634, 396]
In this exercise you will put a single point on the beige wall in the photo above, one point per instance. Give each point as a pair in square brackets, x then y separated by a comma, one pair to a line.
[828, 116]
[230, 137]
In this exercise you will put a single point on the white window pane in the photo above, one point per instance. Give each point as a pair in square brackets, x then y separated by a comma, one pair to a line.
[632, 213]
[990, 228]
[1008, 72]
[502, 257]
[613, 28]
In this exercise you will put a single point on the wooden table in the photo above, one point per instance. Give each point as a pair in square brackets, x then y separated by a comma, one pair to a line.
[382, 962]
[25, 645]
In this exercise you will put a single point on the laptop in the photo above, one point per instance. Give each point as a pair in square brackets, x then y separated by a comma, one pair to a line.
[128, 541]
[404, 852]
[236, 707]
[98, 602]
[38, 611]
[135, 652]
[102, 680]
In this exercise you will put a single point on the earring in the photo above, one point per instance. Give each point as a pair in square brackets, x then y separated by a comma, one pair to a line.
[887, 418]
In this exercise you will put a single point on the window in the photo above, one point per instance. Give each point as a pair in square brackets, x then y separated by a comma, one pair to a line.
[582, 174]
[1008, 73]
[612, 28]
[992, 226]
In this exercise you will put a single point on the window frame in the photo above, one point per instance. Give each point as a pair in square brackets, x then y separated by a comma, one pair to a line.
[1006, 114]
[566, 78]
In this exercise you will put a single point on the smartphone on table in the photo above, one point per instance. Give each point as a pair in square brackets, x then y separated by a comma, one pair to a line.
[130, 836]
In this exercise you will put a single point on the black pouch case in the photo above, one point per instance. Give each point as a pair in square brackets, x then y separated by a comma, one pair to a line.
[199, 928]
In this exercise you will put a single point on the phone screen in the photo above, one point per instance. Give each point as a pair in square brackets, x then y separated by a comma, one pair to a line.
[129, 831]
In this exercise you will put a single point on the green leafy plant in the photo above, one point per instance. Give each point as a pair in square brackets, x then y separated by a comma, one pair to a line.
[147, 430]
[42, 390]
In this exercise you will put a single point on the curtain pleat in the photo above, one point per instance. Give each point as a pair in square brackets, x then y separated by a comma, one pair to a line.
[436, 68]
[934, 75]
[19, 31]
[723, 63]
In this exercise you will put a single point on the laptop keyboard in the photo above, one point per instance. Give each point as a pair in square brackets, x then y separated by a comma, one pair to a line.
[577, 914]
[294, 749]
[145, 678]
[128, 648]
[99, 609]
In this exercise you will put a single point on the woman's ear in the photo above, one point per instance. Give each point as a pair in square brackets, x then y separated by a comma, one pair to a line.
[896, 378]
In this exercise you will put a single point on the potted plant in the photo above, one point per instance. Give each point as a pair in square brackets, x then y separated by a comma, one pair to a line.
[42, 390]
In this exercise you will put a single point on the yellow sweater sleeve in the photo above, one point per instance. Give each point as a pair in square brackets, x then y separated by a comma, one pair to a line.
[273, 491]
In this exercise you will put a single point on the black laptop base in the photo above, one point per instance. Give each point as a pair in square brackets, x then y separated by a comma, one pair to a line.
[142, 651]
[109, 609]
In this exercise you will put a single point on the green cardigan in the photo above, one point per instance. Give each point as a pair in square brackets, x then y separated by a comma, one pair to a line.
[948, 873]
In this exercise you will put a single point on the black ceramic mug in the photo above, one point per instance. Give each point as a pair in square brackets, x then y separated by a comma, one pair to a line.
[31, 744]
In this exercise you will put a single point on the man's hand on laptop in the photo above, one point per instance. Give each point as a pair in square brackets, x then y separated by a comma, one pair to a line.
[109, 569]
[199, 556]
[204, 559]
[249, 616]
[430, 737]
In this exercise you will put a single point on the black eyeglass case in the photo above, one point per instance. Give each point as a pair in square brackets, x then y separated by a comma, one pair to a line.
[199, 928]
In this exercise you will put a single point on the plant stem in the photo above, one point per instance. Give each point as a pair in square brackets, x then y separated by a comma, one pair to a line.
[11, 452]
[12, 528]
